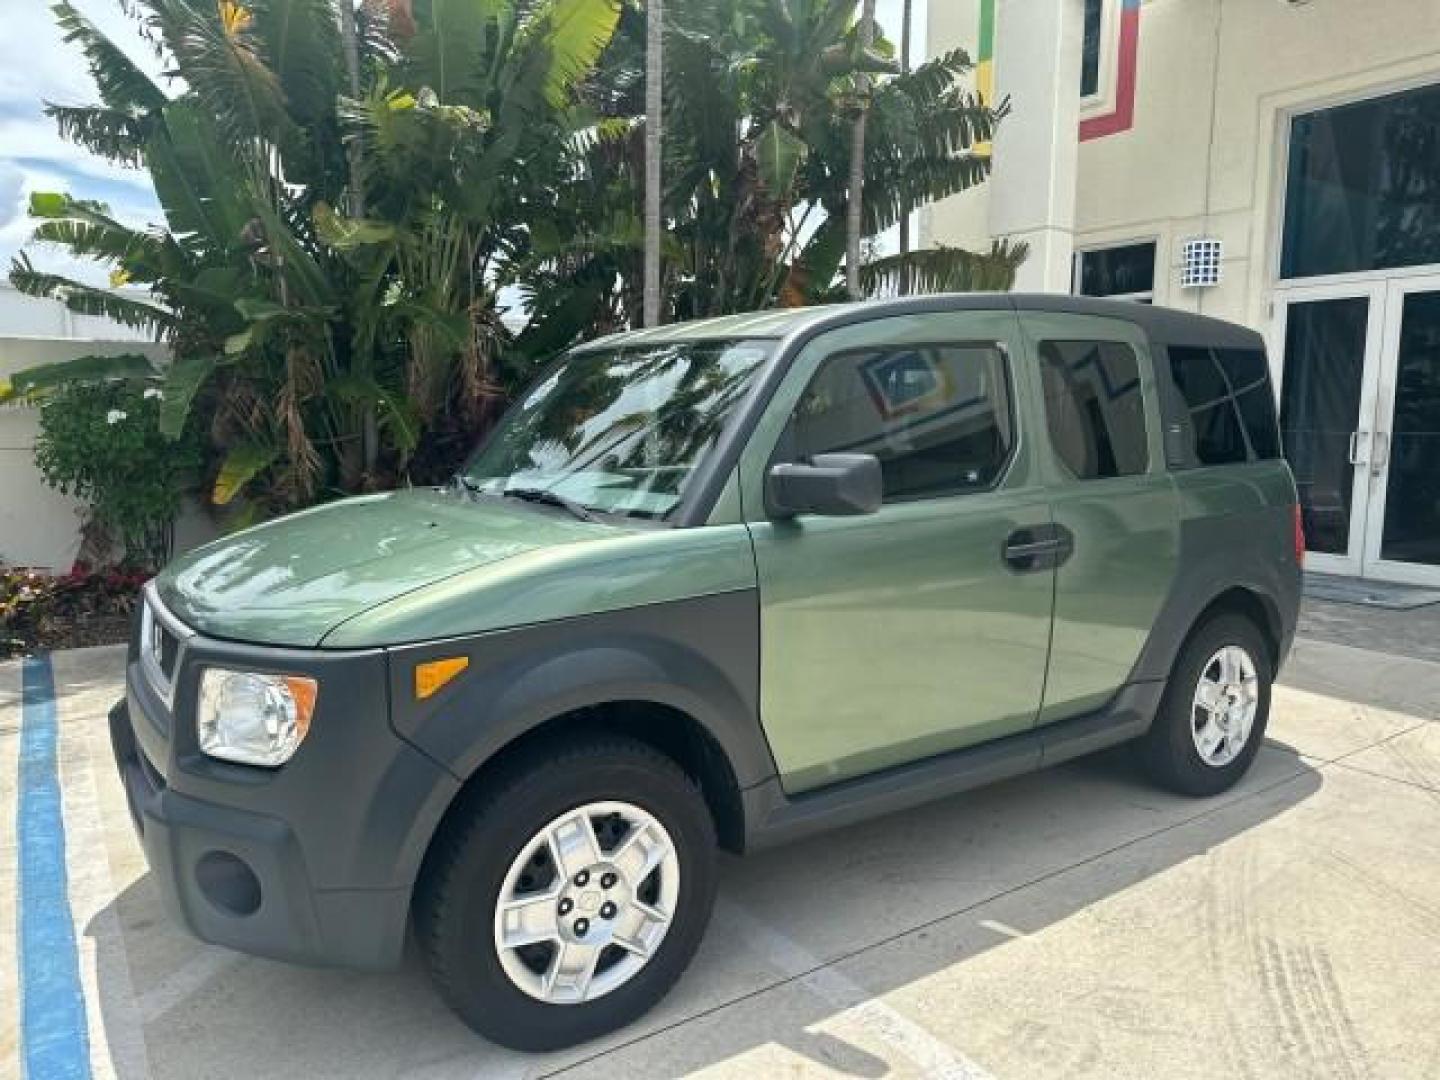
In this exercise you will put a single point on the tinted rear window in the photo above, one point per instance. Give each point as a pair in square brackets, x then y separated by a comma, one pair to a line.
[1232, 408]
[1249, 374]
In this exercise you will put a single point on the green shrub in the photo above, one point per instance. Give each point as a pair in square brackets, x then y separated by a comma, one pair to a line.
[102, 444]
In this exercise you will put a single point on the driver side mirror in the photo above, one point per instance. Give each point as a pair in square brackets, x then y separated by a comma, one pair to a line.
[835, 485]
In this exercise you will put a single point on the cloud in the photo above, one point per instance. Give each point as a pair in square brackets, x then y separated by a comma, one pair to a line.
[36, 66]
[12, 185]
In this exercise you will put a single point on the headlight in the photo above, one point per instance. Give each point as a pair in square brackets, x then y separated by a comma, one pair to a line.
[252, 718]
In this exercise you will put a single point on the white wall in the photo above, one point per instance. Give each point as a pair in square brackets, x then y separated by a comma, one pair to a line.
[39, 527]
[1217, 82]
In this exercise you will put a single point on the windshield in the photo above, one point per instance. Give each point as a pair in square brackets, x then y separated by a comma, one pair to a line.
[619, 431]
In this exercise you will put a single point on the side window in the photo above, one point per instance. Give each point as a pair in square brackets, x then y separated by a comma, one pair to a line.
[939, 417]
[1249, 375]
[1219, 438]
[1094, 407]
[1232, 408]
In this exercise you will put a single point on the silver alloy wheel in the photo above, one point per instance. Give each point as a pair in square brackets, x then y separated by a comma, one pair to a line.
[1226, 701]
[586, 903]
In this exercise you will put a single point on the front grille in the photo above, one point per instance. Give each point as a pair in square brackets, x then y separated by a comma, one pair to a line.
[162, 641]
[164, 650]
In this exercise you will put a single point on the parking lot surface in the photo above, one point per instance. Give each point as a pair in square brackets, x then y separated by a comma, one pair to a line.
[1072, 923]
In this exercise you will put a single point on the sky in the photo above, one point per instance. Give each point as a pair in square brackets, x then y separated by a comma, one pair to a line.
[37, 67]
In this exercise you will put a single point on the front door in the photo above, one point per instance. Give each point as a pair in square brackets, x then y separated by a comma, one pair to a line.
[906, 633]
[1360, 419]
[1402, 534]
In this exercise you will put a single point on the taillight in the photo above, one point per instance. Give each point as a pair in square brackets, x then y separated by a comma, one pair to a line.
[1299, 536]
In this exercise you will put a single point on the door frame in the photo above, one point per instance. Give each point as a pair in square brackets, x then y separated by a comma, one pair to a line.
[1350, 562]
[1386, 291]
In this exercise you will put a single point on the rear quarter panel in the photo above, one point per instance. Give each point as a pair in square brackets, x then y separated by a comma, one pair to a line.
[1236, 530]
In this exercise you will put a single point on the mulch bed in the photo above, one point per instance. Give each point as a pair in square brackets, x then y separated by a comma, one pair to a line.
[40, 612]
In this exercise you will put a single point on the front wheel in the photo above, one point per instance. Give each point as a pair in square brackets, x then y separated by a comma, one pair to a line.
[1212, 717]
[568, 896]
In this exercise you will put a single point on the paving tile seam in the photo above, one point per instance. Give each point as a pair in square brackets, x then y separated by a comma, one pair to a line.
[1413, 784]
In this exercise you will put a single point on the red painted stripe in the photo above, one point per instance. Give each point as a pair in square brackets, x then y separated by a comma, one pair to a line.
[1123, 117]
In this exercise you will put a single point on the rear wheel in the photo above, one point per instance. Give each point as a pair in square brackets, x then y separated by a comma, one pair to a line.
[1216, 705]
[571, 893]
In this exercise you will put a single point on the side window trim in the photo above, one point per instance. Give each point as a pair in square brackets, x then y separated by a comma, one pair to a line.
[779, 455]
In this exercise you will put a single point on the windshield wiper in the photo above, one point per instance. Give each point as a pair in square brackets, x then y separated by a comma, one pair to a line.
[551, 498]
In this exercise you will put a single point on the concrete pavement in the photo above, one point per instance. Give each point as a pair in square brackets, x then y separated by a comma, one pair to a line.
[1072, 923]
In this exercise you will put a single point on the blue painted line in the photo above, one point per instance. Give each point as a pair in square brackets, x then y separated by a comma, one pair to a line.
[54, 1039]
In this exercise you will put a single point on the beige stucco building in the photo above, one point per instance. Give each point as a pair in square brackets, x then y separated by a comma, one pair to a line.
[1272, 162]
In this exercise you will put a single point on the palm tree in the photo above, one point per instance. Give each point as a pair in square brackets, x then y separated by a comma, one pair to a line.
[856, 183]
[906, 14]
[758, 142]
[654, 75]
[293, 321]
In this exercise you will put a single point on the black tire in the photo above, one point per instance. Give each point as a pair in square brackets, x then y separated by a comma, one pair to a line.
[1168, 750]
[463, 875]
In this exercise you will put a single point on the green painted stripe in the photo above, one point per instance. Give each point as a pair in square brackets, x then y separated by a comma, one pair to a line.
[987, 30]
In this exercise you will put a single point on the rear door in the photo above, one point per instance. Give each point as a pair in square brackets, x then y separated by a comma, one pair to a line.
[906, 633]
[1103, 465]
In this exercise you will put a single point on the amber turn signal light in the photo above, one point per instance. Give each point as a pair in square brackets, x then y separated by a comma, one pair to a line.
[432, 675]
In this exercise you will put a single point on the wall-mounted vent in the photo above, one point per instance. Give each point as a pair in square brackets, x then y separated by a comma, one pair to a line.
[1200, 268]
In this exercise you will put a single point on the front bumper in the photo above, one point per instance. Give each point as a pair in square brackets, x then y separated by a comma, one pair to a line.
[238, 878]
[313, 862]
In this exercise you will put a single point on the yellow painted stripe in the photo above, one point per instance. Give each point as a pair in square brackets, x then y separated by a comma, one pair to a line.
[985, 88]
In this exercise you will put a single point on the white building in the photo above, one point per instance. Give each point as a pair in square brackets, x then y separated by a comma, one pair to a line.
[1271, 162]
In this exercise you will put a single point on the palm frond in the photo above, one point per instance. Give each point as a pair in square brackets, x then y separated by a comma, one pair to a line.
[116, 135]
[922, 181]
[446, 53]
[34, 381]
[946, 269]
[572, 34]
[932, 80]
[142, 257]
[197, 185]
[300, 40]
[87, 299]
[121, 83]
[219, 53]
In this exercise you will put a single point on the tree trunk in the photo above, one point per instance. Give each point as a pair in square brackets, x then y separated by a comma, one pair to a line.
[654, 73]
[853, 202]
[906, 13]
[350, 45]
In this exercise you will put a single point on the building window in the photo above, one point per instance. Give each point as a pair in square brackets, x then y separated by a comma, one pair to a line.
[1127, 273]
[1094, 407]
[939, 417]
[1363, 187]
[1090, 54]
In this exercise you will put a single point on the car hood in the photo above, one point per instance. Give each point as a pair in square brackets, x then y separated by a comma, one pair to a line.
[293, 580]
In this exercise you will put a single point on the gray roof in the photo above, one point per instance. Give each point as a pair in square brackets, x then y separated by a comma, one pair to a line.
[1163, 325]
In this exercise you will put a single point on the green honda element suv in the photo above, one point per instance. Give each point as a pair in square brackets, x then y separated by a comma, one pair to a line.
[715, 585]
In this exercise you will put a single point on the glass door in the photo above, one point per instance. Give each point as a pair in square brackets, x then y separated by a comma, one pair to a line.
[1403, 461]
[1327, 348]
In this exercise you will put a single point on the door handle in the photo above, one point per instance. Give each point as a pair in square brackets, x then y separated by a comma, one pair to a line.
[1355, 437]
[1041, 547]
[1381, 456]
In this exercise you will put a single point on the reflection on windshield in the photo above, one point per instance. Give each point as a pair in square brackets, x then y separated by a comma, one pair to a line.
[622, 431]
